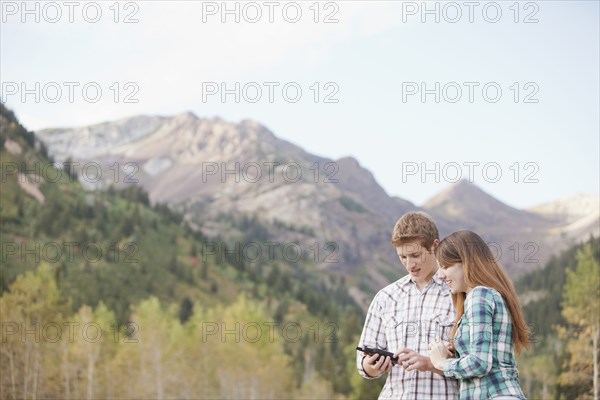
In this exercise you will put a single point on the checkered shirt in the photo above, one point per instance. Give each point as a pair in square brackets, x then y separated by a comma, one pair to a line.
[485, 362]
[402, 316]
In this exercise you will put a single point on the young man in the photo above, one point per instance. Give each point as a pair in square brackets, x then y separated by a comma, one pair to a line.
[407, 315]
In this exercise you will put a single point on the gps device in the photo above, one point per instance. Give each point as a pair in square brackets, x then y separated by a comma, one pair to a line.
[370, 351]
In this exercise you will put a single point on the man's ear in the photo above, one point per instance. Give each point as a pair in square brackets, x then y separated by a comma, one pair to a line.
[434, 246]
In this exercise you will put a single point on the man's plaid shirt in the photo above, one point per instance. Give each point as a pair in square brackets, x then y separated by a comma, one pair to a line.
[402, 316]
[486, 364]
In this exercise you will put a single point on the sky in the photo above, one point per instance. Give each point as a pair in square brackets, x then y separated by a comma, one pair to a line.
[505, 94]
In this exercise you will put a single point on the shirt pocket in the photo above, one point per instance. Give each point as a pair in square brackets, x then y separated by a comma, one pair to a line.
[395, 332]
[440, 327]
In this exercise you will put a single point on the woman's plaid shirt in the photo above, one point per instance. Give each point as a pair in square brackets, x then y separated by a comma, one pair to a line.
[486, 364]
[402, 316]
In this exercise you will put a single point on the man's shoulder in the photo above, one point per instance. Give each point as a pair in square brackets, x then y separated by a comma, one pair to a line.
[393, 290]
[387, 297]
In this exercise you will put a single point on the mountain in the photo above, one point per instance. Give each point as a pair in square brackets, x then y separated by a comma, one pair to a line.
[577, 215]
[522, 240]
[90, 141]
[570, 209]
[241, 181]
[217, 173]
[465, 203]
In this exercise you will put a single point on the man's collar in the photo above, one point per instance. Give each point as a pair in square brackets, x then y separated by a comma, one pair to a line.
[436, 278]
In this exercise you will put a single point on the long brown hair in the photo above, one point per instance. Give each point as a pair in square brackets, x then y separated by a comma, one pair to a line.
[481, 269]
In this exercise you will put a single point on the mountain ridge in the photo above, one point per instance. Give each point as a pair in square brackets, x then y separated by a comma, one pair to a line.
[224, 171]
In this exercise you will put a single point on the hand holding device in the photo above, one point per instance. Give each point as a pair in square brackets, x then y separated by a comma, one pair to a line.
[371, 351]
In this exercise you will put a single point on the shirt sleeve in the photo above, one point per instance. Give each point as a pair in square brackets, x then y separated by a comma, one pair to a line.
[373, 334]
[477, 361]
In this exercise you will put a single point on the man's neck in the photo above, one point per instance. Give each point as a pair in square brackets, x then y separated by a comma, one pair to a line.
[423, 284]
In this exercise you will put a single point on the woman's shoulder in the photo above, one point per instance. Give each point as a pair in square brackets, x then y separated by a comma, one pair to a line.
[485, 293]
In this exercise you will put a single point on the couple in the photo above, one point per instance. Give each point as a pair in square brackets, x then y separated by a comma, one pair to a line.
[454, 321]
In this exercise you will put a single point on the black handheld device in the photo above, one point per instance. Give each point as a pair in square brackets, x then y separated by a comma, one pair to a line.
[370, 351]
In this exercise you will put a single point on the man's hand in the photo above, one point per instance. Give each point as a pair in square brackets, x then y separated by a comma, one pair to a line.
[376, 365]
[411, 360]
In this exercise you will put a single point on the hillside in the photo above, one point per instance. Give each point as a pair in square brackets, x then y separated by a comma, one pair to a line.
[113, 254]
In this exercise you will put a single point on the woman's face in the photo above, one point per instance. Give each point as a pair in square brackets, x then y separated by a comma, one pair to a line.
[454, 277]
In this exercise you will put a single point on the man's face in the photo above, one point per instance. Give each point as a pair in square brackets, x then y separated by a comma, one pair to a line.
[419, 262]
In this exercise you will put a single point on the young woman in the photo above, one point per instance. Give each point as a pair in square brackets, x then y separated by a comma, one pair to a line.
[489, 325]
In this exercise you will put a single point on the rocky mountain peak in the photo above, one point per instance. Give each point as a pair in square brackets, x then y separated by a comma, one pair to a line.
[187, 115]
[460, 191]
[467, 202]
[570, 208]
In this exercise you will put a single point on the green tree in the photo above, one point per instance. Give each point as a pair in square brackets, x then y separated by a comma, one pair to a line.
[149, 359]
[87, 355]
[31, 315]
[581, 310]
[538, 372]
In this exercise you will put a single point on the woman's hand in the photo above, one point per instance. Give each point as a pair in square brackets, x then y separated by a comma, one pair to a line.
[439, 353]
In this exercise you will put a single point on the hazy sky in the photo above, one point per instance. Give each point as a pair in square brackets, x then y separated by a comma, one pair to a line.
[517, 82]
